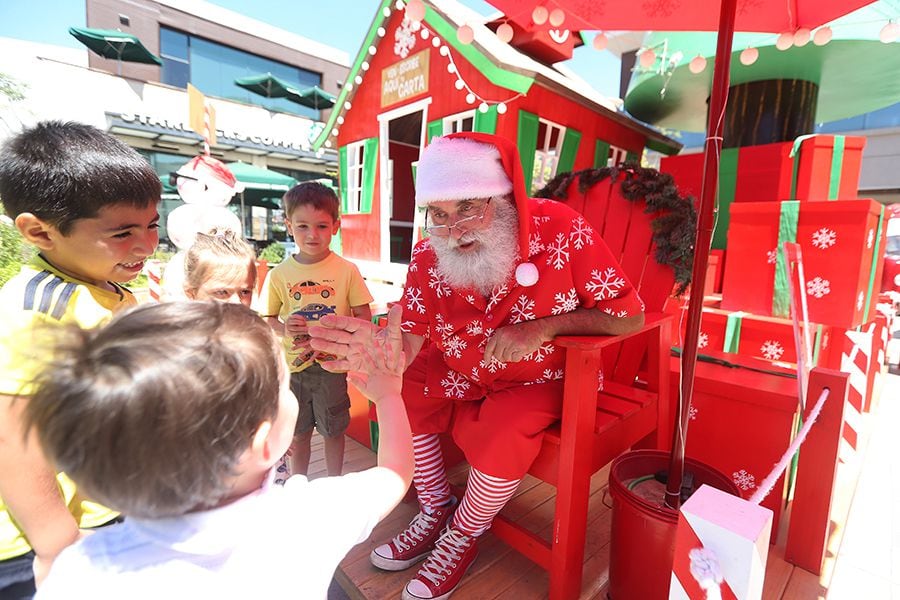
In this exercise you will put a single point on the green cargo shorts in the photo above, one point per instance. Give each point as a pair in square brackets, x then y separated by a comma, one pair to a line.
[324, 402]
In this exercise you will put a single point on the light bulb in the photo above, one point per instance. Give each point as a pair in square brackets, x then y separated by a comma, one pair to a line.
[372, 50]
[364, 66]
[380, 31]
[425, 33]
[539, 15]
[459, 84]
[465, 34]
[358, 79]
[505, 33]
[822, 36]
[501, 108]
[483, 107]
[600, 41]
[784, 41]
[348, 86]
[557, 17]
[801, 37]
[451, 68]
[647, 58]
[436, 42]
[340, 120]
[386, 11]
[398, 4]
[335, 132]
[328, 143]
[697, 64]
[347, 105]
[889, 33]
[749, 56]
[415, 10]
[444, 50]
[470, 98]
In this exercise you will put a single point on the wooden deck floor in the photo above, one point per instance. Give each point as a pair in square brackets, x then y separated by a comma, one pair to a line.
[866, 566]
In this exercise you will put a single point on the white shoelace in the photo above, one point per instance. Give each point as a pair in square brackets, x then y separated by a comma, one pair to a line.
[418, 528]
[445, 555]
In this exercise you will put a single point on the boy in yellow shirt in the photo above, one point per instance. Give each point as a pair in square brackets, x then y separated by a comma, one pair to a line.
[88, 203]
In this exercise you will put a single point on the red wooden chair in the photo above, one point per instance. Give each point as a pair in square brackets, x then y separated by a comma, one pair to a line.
[634, 404]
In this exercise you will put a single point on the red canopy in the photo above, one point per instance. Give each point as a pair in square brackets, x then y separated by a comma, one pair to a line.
[773, 16]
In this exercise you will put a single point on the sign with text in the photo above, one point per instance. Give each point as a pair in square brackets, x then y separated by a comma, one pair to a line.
[405, 79]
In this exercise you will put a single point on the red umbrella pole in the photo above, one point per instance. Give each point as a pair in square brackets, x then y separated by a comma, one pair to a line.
[706, 210]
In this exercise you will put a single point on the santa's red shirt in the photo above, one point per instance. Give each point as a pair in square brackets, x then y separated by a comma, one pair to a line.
[576, 270]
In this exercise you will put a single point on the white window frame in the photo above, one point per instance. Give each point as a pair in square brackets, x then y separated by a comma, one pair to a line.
[355, 162]
[454, 123]
[616, 156]
[545, 155]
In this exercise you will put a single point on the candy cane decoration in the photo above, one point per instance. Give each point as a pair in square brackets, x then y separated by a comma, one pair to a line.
[153, 269]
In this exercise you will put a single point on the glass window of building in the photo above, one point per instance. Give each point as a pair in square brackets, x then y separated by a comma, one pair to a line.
[212, 68]
[616, 156]
[549, 144]
[464, 121]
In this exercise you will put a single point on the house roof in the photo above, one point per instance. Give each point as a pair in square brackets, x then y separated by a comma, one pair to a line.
[499, 62]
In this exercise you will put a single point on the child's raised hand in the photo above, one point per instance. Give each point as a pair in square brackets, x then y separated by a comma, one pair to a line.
[380, 364]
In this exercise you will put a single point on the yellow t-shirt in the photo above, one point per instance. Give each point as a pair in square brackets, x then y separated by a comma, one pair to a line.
[330, 286]
[40, 294]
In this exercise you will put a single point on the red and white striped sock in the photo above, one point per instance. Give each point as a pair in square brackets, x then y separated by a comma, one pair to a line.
[430, 477]
[485, 496]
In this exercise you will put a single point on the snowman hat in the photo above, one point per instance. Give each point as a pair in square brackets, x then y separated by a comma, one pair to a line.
[203, 165]
[477, 165]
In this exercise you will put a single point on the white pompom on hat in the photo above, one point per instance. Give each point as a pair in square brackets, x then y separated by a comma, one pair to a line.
[468, 165]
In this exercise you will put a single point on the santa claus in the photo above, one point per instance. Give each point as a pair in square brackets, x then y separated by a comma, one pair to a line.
[499, 276]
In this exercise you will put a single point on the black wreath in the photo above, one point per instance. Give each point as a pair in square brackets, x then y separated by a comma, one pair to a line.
[675, 223]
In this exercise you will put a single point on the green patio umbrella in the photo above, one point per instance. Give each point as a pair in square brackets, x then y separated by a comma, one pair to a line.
[111, 43]
[267, 85]
[314, 97]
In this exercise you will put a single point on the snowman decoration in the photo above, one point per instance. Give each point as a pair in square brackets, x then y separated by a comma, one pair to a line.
[206, 186]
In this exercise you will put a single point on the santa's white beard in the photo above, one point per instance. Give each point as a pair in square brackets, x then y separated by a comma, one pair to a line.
[488, 264]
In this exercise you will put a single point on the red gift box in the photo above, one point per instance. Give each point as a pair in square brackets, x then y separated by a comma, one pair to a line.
[839, 241]
[827, 167]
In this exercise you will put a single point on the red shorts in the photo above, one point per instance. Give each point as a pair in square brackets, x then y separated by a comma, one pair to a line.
[500, 434]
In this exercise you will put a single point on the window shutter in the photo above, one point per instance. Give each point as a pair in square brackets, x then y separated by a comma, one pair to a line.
[370, 159]
[601, 154]
[486, 122]
[435, 129]
[342, 174]
[633, 157]
[568, 151]
[527, 142]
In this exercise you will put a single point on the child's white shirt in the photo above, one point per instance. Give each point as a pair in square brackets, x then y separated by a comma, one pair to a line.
[280, 542]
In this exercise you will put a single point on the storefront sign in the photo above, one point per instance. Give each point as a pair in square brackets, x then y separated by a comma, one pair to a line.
[405, 79]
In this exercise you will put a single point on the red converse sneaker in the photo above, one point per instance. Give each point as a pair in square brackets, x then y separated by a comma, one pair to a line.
[415, 542]
[452, 556]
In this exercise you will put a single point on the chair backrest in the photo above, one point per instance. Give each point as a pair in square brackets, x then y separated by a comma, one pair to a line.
[627, 229]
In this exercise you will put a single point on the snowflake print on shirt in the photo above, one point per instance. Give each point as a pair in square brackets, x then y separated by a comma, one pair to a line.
[616, 313]
[818, 287]
[474, 327]
[495, 365]
[541, 354]
[566, 302]
[534, 244]
[438, 282]
[824, 238]
[743, 479]
[605, 285]
[497, 294]
[522, 310]
[582, 234]
[552, 375]
[558, 252]
[771, 350]
[454, 346]
[455, 385]
[414, 300]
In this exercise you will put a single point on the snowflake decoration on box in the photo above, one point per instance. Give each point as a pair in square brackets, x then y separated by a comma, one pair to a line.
[870, 239]
[743, 480]
[818, 287]
[859, 301]
[772, 256]
[692, 413]
[771, 350]
[702, 340]
[405, 37]
[824, 238]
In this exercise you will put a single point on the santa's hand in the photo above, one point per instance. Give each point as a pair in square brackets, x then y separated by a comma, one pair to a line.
[381, 364]
[514, 342]
[345, 337]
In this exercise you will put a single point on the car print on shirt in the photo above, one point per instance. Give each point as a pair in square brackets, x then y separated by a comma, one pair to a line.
[308, 288]
[315, 311]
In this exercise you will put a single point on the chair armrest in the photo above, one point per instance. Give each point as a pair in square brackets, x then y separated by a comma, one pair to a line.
[598, 342]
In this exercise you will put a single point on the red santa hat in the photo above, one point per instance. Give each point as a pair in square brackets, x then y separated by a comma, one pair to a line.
[477, 165]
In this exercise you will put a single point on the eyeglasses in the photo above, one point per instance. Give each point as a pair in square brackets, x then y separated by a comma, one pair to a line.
[466, 223]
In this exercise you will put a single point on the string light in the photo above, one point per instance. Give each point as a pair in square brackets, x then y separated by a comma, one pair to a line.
[600, 41]
[505, 33]
[557, 17]
[749, 56]
[784, 41]
[540, 15]
[465, 34]
[889, 33]
[697, 64]
[647, 58]
[801, 37]
[822, 36]
[415, 10]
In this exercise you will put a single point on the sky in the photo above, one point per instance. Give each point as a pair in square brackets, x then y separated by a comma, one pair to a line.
[338, 23]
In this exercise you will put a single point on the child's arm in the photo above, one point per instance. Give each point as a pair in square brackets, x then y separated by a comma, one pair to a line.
[379, 379]
[276, 325]
[363, 311]
[29, 489]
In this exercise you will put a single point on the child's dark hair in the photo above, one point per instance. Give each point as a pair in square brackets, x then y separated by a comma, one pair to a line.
[315, 194]
[62, 172]
[150, 414]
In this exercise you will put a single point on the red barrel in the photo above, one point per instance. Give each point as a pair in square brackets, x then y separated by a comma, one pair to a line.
[643, 534]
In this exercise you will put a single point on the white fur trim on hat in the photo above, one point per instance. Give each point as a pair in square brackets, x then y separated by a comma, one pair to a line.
[459, 169]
